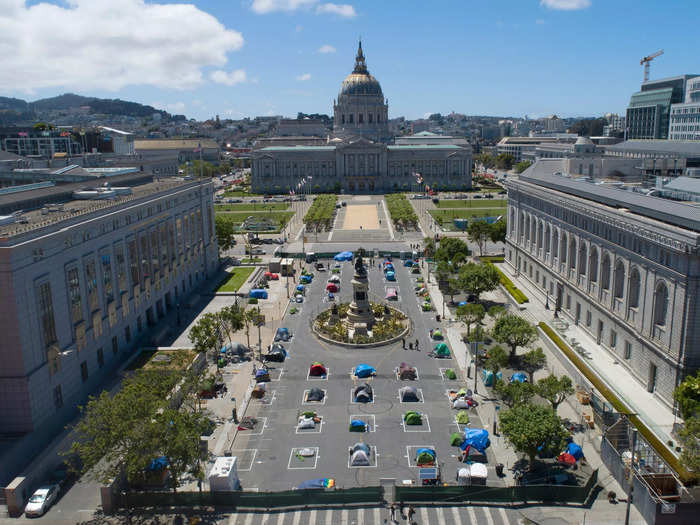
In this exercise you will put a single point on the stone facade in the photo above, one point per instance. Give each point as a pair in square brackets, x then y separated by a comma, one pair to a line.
[629, 280]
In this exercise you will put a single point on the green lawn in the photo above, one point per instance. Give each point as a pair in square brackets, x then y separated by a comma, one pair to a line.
[466, 213]
[236, 280]
[238, 193]
[473, 203]
[254, 260]
[279, 218]
[261, 206]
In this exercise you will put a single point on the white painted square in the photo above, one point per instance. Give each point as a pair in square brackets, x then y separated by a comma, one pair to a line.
[276, 373]
[370, 419]
[411, 454]
[373, 459]
[309, 377]
[421, 398]
[305, 402]
[267, 399]
[317, 430]
[246, 458]
[292, 456]
[425, 427]
[261, 426]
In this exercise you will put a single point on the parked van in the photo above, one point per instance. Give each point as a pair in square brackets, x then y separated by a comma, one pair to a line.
[310, 257]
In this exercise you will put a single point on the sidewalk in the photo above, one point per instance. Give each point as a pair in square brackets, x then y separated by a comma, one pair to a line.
[657, 416]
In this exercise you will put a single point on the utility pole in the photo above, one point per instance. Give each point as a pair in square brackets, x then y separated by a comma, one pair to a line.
[631, 480]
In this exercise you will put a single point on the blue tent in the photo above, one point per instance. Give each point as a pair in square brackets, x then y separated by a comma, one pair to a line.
[343, 256]
[462, 303]
[388, 267]
[520, 377]
[408, 263]
[488, 377]
[258, 293]
[300, 287]
[390, 276]
[363, 370]
[357, 424]
[477, 438]
[158, 463]
[575, 450]
[306, 279]
[430, 451]
[261, 372]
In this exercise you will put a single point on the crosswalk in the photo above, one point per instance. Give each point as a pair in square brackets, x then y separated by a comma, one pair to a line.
[374, 516]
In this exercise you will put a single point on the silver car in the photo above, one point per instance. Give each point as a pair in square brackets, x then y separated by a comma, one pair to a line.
[41, 501]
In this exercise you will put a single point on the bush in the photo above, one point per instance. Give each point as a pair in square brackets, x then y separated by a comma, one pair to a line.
[321, 212]
[401, 211]
[252, 300]
[513, 290]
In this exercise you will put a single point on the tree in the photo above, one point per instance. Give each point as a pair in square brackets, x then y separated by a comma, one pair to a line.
[504, 161]
[452, 249]
[479, 232]
[555, 389]
[498, 231]
[496, 360]
[533, 361]
[470, 314]
[689, 438]
[497, 311]
[527, 427]
[513, 331]
[204, 335]
[486, 160]
[231, 320]
[522, 166]
[225, 232]
[452, 288]
[476, 278]
[514, 393]
[429, 247]
[687, 395]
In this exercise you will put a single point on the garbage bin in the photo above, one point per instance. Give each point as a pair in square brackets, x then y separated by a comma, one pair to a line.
[499, 470]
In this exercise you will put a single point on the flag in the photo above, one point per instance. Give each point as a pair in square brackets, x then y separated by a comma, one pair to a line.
[310, 177]
[65, 133]
[198, 149]
[23, 134]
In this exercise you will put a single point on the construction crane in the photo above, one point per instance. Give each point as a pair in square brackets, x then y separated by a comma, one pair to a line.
[646, 60]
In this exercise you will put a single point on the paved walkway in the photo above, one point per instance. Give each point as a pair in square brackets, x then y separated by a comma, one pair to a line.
[655, 414]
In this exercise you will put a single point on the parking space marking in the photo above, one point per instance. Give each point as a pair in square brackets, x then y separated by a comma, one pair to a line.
[309, 377]
[274, 375]
[396, 370]
[371, 427]
[425, 427]
[421, 398]
[408, 455]
[264, 402]
[352, 398]
[322, 402]
[442, 374]
[294, 452]
[262, 427]
[316, 430]
[238, 454]
[374, 455]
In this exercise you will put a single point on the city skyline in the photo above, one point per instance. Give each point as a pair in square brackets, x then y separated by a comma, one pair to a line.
[280, 57]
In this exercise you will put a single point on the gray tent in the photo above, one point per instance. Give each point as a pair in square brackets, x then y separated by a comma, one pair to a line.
[315, 394]
[359, 455]
[408, 394]
[363, 393]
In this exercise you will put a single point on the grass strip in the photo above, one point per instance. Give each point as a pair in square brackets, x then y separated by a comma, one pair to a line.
[473, 203]
[611, 397]
[259, 207]
[235, 280]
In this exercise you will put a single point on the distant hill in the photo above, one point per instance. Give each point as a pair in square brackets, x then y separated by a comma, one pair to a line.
[14, 110]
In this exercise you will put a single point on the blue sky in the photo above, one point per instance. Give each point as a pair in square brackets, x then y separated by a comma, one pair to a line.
[241, 58]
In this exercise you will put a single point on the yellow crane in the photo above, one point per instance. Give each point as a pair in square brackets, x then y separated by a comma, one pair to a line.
[646, 60]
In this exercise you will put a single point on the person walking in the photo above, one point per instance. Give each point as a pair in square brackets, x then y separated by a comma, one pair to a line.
[410, 513]
[392, 511]
[403, 343]
[417, 345]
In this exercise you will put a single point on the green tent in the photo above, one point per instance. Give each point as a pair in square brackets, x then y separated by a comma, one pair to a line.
[461, 392]
[437, 334]
[426, 306]
[450, 374]
[441, 350]
[456, 439]
[413, 418]
[425, 458]
[462, 417]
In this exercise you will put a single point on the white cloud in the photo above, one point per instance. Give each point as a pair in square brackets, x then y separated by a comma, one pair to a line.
[236, 76]
[172, 107]
[566, 5]
[326, 48]
[304, 77]
[344, 10]
[109, 45]
[263, 7]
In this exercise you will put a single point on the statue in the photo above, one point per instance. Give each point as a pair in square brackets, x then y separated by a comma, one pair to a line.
[359, 266]
[334, 310]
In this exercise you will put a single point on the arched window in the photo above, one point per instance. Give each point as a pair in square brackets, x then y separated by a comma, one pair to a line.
[539, 235]
[547, 240]
[635, 285]
[660, 304]
[379, 117]
[564, 248]
[521, 226]
[593, 265]
[527, 228]
[342, 118]
[582, 256]
[360, 118]
[533, 231]
[512, 221]
[369, 117]
[619, 280]
[605, 273]
[572, 253]
[555, 243]
[350, 118]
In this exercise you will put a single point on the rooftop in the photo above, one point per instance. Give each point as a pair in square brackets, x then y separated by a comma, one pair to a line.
[679, 147]
[176, 144]
[688, 184]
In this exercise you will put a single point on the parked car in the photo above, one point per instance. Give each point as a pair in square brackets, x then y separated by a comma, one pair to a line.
[319, 266]
[41, 500]
[255, 251]
[272, 276]
[343, 203]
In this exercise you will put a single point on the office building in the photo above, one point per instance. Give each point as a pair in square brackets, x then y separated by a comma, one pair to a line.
[685, 118]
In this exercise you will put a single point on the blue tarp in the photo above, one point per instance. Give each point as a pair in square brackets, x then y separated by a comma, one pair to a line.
[258, 293]
[430, 451]
[158, 463]
[261, 372]
[408, 263]
[388, 267]
[343, 256]
[390, 276]
[477, 438]
[320, 483]
[363, 370]
[575, 450]
[520, 377]
[301, 287]
[357, 423]
[305, 279]
[462, 303]
[488, 377]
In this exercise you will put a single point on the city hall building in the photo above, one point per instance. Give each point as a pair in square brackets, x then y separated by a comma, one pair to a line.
[359, 156]
[622, 265]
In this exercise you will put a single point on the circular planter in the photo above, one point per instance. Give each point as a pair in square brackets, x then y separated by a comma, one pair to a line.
[325, 338]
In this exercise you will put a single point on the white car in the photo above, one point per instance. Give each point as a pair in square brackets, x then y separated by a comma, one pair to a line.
[334, 279]
[41, 500]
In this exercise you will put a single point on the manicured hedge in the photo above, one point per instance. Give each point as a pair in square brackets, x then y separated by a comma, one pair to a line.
[513, 290]
[618, 405]
[492, 258]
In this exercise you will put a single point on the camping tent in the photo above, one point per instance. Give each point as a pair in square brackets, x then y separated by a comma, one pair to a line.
[319, 483]
[461, 403]
[437, 335]
[456, 439]
[262, 375]
[478, 472]
[283, 334]
[315, 394]
[317, 370]
[441, 350]
[305, 279]
[463, 476]
[258, 293]
[360, 455]
[357, 425]
[408, 394]
[343, 256]
[412, 418]
[566, 459]
[575, 450]
[408, 263]
[363, 393]
[520, 377]
[390, 276]
[363, 370]
[259, 391]
[425, 456]
[477, 438]
[406, 372]
[450, 374]
[489, 378]
[301, 288]
[277, 354]
[306, 422]
[462, 417]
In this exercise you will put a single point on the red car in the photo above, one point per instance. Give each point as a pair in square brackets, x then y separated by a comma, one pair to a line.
[272, 276]
[332, 287]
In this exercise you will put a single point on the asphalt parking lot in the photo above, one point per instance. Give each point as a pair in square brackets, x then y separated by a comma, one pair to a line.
[268, 458]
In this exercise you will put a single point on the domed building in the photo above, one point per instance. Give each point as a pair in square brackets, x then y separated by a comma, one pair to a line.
[361, 109]
[360, 156]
